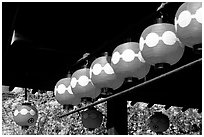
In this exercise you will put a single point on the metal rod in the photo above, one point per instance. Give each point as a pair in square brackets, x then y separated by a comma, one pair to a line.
[132, 88]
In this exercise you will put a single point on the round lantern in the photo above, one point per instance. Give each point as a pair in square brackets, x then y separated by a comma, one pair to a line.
[82, 85]
[159, 44]
[92, 118]
[64, 94]
[188, 23]
[102, 74]
[159, 122]
[127, 61]
[25, 115]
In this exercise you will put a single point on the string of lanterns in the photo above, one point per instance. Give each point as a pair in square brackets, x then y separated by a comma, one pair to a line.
[159, 43]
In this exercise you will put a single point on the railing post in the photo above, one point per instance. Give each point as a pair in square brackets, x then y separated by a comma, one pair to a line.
[117, 116]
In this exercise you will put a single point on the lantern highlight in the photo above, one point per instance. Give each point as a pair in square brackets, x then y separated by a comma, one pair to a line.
[127, 61]
[188, 23]
[159, 44]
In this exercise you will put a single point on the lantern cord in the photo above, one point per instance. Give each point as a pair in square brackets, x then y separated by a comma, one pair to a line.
[87, 62]
[132, 88]
[84, 57]
[162, 6]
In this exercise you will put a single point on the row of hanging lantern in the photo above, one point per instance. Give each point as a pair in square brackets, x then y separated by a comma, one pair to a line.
[159, 43]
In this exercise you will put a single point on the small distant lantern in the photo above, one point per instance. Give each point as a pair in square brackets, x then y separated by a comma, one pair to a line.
[158, 122]
[102, 74]
[188, 23]
[127, 61]
[160, 45]
[92, 118]
[64, 94]
[82, 85]
[25, 115]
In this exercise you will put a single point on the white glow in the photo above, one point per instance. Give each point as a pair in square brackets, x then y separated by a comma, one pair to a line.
[13, 37]
[97, 68]
[83, 81]
[61, 89]
[16, 112]
[90, 73]
[128, 55]
[32, 112]
[184, 18]
[140, 57]
[175, 24]
[169, 38]
[55, 90]
[108, 69]
[141, 43]
[24, 111]
[198, 15]
[70, 90]
[73, 82]
[115, 57]
[152, 39]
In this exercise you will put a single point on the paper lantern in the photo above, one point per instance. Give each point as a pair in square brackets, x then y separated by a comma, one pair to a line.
[188, 23]
[127, 61]
[159, 44]
[25, 115]
[102, 74]
[158, 122]
[64, 94]
[82, 85]
[92, 118]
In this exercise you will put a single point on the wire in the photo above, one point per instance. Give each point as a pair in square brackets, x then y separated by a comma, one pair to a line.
[162, 5]
[84, 57]
[132, 88]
